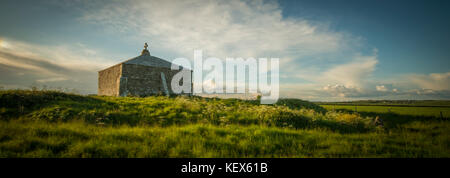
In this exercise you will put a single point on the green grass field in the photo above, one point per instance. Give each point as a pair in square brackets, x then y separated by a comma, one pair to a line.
[53, 124]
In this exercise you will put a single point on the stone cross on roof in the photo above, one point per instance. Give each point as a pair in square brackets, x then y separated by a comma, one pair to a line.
[145, 52]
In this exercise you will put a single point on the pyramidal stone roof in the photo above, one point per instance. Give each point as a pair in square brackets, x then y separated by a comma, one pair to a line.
[147, 60]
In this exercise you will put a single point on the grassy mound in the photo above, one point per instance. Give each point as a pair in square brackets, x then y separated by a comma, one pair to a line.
[54, 124]
[168, 111]
[300, 104]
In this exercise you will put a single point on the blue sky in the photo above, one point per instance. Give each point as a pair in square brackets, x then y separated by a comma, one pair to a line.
[328, 49]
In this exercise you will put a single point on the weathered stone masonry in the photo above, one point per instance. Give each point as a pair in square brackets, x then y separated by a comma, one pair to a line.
[108, 81]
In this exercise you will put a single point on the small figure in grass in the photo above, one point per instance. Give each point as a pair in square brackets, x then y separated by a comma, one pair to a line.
[378, 122]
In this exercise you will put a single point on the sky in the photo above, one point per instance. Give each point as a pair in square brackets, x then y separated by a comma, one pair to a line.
[329, 50]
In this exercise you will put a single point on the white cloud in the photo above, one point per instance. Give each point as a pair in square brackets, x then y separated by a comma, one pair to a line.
[67, 55]
[381, 88]
[341, 90]
[220, 28]
[342, 80]
[56, 79]
[353, 81]
[434, 81]
[353, 74]
[3, 44]
[24, 64]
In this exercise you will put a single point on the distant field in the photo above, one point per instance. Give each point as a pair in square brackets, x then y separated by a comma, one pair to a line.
[403, 110]
[407, 103]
